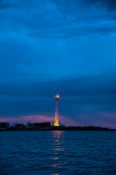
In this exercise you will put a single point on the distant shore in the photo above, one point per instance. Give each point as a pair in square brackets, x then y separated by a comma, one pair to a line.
[47, 126]
[69, 128]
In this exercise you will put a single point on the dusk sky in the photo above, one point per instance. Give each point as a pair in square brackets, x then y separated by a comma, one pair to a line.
[58, 46]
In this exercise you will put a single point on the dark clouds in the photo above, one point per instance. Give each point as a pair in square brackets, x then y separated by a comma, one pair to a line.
[4, 4]
[83, 86]
[31, 97]
[56, 19]
[109, 4]
[75, 4]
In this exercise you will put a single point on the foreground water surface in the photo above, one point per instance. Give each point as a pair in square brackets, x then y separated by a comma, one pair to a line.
[58, 153]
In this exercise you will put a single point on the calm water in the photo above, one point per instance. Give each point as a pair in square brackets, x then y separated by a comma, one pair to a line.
[58, 153]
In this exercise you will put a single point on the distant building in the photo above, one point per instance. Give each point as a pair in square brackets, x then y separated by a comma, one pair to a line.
[39, 125]
[4, 125]
[19, 126]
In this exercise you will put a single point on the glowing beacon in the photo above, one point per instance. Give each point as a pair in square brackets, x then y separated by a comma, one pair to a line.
[56, 120]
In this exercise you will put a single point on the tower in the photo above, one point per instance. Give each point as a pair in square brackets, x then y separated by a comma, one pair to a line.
[56, 120]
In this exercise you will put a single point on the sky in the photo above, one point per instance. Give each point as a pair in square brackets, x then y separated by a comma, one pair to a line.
[58, 46]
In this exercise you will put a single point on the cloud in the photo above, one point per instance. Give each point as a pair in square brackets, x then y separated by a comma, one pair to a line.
[26, 119]
[81, 95]
[39, 118]
[86, 86]
[109, 4]
[76, 4]
[103, 119]
[56, 19]
[4, 4]
[56, 46]
[76, 31]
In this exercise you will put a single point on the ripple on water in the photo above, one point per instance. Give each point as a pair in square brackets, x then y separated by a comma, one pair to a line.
[58, 153]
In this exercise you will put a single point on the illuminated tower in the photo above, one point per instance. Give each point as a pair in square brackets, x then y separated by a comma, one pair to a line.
[56, 120]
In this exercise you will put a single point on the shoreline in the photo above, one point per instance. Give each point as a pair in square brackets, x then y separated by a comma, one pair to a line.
[88, 128]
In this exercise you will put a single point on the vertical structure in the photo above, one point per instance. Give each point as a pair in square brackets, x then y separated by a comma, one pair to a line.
[56, 120]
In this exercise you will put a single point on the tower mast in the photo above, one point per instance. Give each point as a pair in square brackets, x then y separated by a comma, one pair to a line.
[56, 120]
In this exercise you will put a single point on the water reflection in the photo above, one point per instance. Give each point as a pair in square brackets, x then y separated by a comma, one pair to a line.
[58, 151]
[57, 134]
[58, 142]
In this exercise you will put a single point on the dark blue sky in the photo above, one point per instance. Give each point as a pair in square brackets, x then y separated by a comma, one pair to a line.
[58, 46]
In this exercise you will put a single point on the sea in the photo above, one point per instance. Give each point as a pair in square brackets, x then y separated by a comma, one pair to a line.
[58, 153]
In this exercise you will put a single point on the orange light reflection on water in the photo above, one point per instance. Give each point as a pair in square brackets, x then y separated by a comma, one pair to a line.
[58, 151]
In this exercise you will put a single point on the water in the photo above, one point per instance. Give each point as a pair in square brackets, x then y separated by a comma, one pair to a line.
[58, 153]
